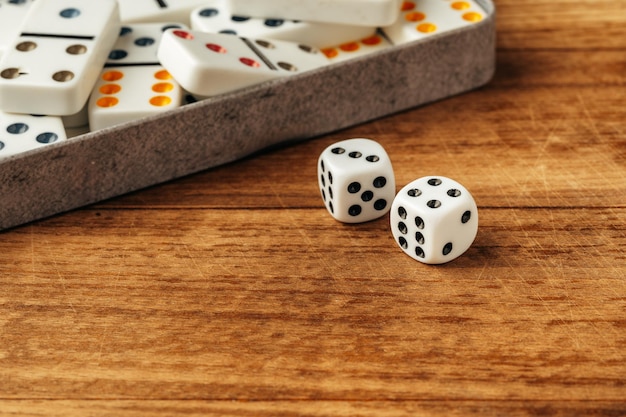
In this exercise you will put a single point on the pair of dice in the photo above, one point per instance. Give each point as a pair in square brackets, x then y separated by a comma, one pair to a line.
[433, 219]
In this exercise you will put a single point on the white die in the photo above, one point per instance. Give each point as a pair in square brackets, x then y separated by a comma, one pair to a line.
[356, 180]
[434, 219]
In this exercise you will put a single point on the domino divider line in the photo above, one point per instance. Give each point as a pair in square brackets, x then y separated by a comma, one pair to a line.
[114, 161]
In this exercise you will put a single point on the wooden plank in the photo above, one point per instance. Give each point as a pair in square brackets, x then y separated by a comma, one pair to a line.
[235, 408]
[201, 304]
[561, 24]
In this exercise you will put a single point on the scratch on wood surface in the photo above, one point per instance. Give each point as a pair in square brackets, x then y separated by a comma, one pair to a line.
[588, 118]
[31, 233]
[275, 192]
[535, 248]
[200, 238]
[566, 311]
[194, 263]
[58, 272]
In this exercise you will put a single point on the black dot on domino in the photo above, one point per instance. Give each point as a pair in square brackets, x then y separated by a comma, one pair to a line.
[273, 23]
[209, 12]
[166, 27]
[17, 128]
[117, 54]
[144, 41]
[47, 137]
[70, 13]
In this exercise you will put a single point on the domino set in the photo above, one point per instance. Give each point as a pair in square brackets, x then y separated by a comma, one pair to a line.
[158, 90]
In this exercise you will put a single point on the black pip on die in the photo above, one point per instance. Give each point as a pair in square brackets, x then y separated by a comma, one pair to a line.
[356, 180]
[434, 219]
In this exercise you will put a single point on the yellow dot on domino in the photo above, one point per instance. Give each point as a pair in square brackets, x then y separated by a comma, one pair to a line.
[163, 75]
[460, 5]
[426, 28]
[112, 75]
[107, 102]
[109, 89]
[160, 101]
[372, 40]
[349, 47]
[414, 17]
[330, 52]
[162, 87]
[472, 17]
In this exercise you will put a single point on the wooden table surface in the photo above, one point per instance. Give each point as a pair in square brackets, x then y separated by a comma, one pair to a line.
[232, 292]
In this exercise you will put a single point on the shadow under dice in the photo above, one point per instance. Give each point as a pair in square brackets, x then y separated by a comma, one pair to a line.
[356, 180]
[434, 219]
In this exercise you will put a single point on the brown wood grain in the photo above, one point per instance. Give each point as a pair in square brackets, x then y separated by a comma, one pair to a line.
[232, 292]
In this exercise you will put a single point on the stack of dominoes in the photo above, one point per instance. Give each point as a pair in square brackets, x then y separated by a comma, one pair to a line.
[67, 64]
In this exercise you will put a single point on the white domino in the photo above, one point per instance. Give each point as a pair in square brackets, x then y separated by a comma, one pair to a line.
[422, 18]
[22, 132]
[51, 67]
[364, 12]
[155, 11]
[418, 19]
[12, 14]
[208, 64]
[214, 16]
[133, 83]
[354, 49]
